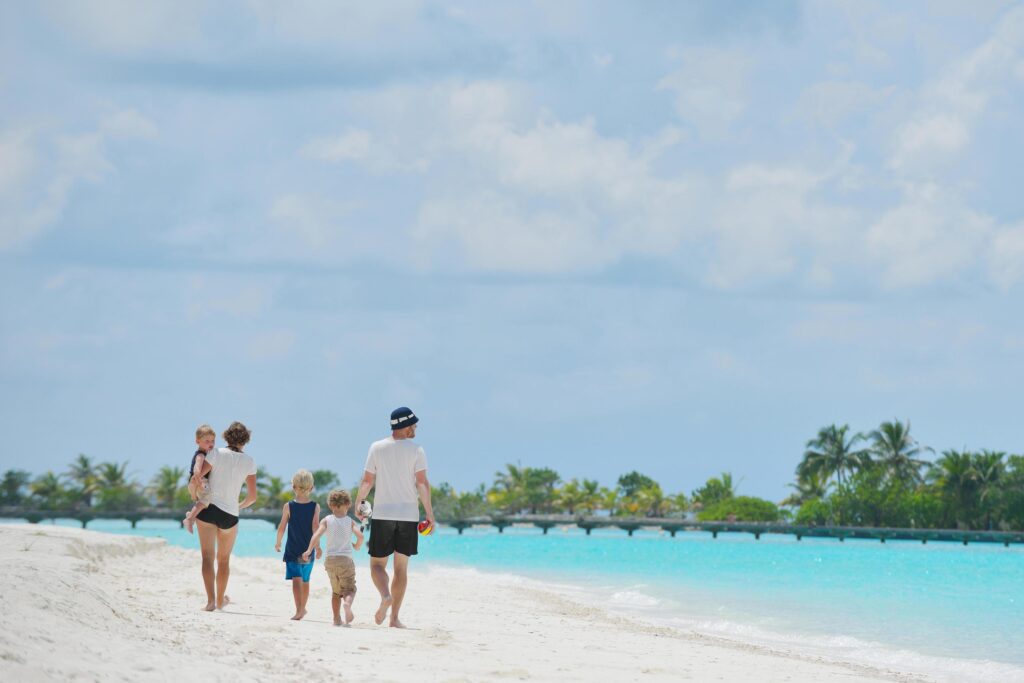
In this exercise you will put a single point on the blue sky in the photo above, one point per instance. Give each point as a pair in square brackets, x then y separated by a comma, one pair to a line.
[673, 237]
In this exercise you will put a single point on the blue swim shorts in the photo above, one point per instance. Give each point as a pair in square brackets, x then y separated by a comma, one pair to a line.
[298, 570]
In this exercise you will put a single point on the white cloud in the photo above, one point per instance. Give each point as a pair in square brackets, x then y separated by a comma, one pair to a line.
[930, 237]
[128, 124]
[39, 170]
[352, 145]
[270, 345]
[1006, 257]
[549, 196]
[951, 106]
[710, 88]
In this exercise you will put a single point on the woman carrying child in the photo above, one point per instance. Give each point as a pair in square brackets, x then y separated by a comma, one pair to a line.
[228, 468]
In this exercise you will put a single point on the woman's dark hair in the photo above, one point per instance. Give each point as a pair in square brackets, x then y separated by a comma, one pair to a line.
[237, 435]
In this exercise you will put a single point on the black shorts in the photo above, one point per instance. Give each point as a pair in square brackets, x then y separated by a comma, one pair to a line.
[212, 514]
[388, 536]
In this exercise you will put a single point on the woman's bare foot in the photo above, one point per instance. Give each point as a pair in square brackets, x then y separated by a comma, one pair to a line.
[349, 617]
[382, 611]
[224, 601]
[298, 615]
[210, 606]
[395, 623]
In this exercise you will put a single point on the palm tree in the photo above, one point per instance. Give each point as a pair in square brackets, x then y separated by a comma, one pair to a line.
[716, 489]
[509, 490]
[897, 452]
[831, 453]
[540, 488]
[165, 485]
[110, 475]
[571, 496]
[83, 473]
[49, 490]
[13, 483]
[810, 485]
[990, 467]
[592, 496]
[273, 492]
[955, 475]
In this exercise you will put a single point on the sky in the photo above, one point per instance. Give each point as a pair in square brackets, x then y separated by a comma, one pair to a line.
[670, 237]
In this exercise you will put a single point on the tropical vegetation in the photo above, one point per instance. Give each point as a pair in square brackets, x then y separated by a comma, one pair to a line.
[882, 477]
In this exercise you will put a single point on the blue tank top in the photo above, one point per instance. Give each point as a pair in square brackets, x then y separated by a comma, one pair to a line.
[300, 530]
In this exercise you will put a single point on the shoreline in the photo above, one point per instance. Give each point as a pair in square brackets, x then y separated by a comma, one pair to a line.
[119, 603]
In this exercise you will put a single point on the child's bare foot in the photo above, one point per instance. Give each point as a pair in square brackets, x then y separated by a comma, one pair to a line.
[382, 611]
[298, 615]
[210, 606]
[337, 621]
[189, 524]
[224, 601]
[395, 623]
[349, 617]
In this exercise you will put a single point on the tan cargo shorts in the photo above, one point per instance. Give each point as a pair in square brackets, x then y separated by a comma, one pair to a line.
[342, 572]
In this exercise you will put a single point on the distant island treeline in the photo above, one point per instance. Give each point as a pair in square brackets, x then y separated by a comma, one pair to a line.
[881, 478]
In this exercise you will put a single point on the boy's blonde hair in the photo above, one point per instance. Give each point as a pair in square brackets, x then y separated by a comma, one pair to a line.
[303, 481]
[339, 497]
[205, 430]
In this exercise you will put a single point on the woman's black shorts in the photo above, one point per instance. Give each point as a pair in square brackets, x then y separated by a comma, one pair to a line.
[388, 536]
[214, 515]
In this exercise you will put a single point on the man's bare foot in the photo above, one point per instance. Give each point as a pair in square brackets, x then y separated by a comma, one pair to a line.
[298, 615]
[337, 621]
[224, 601]
[349, 617]
[382, 611]
[210, 606]
[189, 524]
[395, 623]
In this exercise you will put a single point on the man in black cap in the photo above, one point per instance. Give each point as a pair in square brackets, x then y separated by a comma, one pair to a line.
[396, 468]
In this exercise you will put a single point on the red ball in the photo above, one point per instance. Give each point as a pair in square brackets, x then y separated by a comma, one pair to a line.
[425, 528]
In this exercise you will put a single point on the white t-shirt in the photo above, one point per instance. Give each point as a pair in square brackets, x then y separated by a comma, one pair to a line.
[230, 469]
[338, 535]
[395, 463]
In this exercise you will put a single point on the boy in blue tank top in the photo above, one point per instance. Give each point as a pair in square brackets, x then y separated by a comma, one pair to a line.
[300, 517]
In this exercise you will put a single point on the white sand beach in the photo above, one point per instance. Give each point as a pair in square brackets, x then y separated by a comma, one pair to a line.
[81, 605]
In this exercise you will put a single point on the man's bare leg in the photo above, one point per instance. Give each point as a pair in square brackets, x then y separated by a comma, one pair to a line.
[297, 596]
[208, 548]
[398, 585]
[225, 544]
[379, 574]
[305, 596]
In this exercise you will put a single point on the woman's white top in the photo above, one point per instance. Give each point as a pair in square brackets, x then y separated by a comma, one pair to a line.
[338, 536]
[230, 470]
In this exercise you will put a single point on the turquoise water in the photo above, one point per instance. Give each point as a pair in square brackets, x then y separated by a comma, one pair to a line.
[952, 611]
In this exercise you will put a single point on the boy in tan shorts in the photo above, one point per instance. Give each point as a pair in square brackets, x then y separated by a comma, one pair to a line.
[338, 529]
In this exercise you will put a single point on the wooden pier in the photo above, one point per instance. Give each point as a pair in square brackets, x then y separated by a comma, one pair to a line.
[672, 526]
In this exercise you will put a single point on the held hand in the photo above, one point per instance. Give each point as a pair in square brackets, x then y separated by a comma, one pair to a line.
[358, 545]
[305, 557]
[319, 553]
